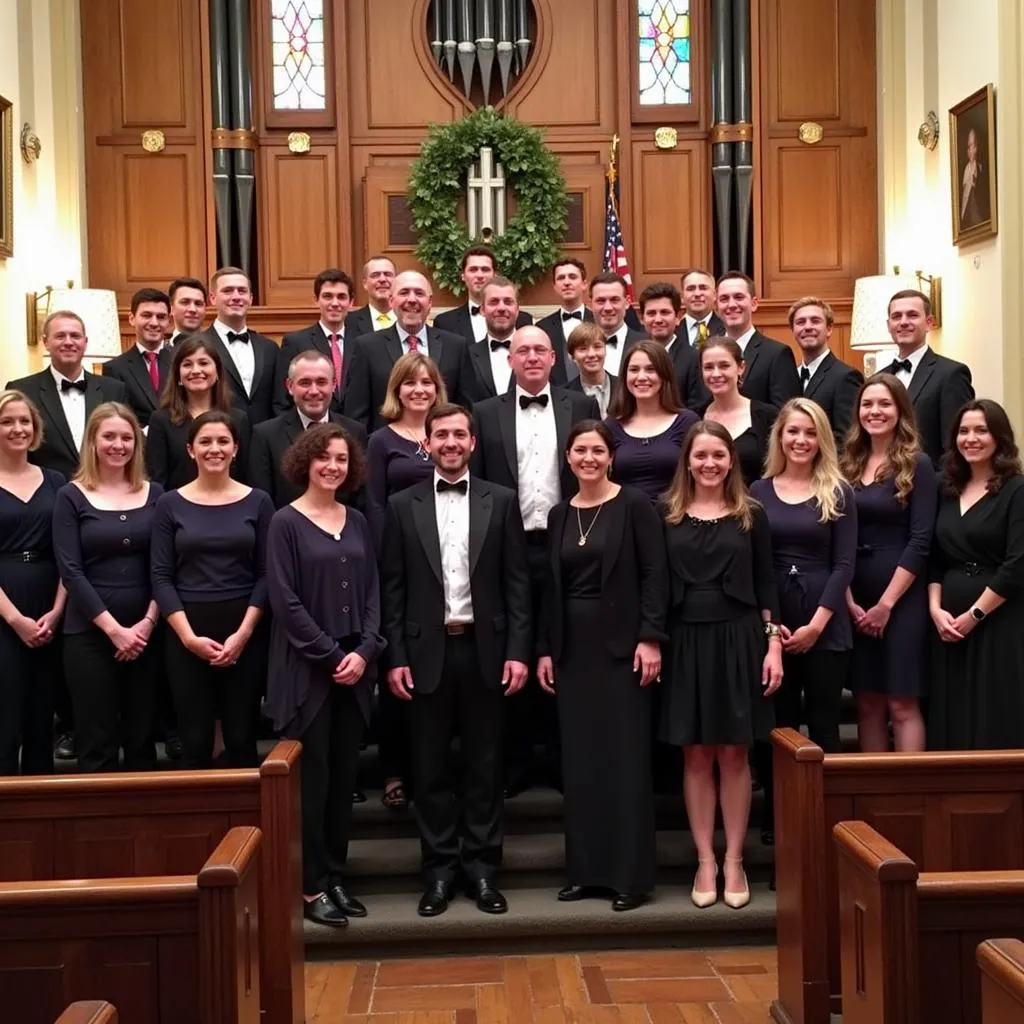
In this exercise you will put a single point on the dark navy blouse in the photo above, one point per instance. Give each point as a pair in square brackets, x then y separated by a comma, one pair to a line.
[393, 463]
[649, 463]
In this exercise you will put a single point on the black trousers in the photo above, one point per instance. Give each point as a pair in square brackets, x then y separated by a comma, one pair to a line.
[391, 728]
[330, 756]
[462, 704]
[28, 676]
[811, 692]
[114, 703]
[202, 693]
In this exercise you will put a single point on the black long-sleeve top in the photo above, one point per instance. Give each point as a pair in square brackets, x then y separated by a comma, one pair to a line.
[393, 463]
[167, 459]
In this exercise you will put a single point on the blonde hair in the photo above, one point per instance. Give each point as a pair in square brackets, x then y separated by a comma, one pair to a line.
[10, 396]
[826, 480]
[88, 475]
[406, 368]
[679, 497]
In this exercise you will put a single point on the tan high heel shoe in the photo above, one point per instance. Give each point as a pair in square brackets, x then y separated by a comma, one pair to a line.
[736, 900]
[705, 899]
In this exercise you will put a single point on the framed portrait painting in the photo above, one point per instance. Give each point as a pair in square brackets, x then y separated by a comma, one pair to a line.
[6, 178]
[972, 157]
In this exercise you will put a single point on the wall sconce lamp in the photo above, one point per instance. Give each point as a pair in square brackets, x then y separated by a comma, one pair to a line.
[931, 285]
[96, 306]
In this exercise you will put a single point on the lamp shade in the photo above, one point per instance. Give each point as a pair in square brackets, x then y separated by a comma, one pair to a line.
[871, 295]
[98, 309]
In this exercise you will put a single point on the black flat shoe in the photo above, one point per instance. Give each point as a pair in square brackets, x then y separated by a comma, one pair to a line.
[172, 747]
[627, 901]
[323, 911]
[768, 836]
[572, 893]
[348, 905]
[488, 898]
[358, 796]
[65, 748]
[435, 900]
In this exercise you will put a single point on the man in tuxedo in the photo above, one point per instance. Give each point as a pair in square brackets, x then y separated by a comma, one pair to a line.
[769, 369]
[608, 297]
[188, 306]
[488, 372]
[467, 320]
[661, 308]
[586, 346]
[310, 384]
[700, 320]
[250, 359]
[333, 290]
[372, 356]
[457, 619]
[937, 386]
[569, 277]
[824, 379]
[521, 437]
[377, 314]
[144, 367]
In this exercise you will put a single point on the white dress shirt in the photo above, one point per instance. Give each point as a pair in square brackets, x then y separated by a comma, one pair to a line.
[478, 322]
[914, 358]
[241, 353]
[421, 340]
[143, 350]
[452, 512]
[307, 422]
[73, 404]
[744, 339]
[693, 327]
[538, 460]
[382, 321]
[570, 325]
[500, 367]
[601, 393]
[812, 368]
[613, 353]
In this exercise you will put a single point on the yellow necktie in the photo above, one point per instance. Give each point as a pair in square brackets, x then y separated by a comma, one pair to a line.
[383, 319]
[702, 333]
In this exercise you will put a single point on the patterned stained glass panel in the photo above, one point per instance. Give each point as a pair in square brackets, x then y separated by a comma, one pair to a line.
[663, 47]
[298, 55]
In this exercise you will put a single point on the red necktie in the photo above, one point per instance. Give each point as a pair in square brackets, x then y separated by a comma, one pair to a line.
[336, 359]
[154, 372]
[413, 342]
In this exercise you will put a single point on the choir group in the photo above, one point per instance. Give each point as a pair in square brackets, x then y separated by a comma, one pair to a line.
[574, 546]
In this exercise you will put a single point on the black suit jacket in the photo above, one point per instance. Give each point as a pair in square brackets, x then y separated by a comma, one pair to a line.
[496, 458]
[310, 338]
[132, 370]
[715, 326]
[413, 591]
[458, 321]
[834, 387]
[551, 325]
[369, 361]
[58, 449]
[769, 373]
[272, 438]
[477, 375]
[634, 578]
[359, 322]
[686, 361]
[576, 384]
[259, 405]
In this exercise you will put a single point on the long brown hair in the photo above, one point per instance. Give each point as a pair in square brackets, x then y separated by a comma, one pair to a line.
[679, 497]
[1005, 459]
[623, 403]
[88, 474]
[904, 445]
[408, 367]
[173, 398]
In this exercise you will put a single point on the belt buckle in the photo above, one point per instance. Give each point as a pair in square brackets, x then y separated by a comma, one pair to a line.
[972, 569]
[455, 628]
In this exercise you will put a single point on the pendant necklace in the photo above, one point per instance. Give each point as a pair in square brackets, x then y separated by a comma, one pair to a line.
[579, 522]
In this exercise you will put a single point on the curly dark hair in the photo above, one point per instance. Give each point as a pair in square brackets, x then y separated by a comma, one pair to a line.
[313, 444]
[1005, 460]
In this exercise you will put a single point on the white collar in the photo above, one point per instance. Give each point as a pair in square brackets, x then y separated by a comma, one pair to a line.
[581, 308]
[420, 335]
[328, 332]
[744, 339]
[915, 357]
[58, 376]
[546, 390]
[690, 321]
[620, 333]
[812, 367]
[465, 476]
[143, 350]
[307, 422]
[223, 330]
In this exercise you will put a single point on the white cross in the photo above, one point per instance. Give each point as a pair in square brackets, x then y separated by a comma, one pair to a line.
[486, 196]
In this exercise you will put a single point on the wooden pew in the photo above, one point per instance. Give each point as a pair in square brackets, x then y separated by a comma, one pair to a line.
[167, 823]
[957, 811]
[88, 1013]
[162, 949]
[1002, 981]
[908, 938]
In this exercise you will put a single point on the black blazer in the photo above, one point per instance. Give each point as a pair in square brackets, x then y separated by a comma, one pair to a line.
[634, 578]
[495, 457]
[458, 321]
[167, 460]
[359, 322]
[310, 338]
[58, 449]
[272, 438]
[413, 591]
[686, 360]
[477, 375]
[369, 361]
[258, 406]
[770, 371]
[551, 325]
[132, 370]
[715, 326]
[834, 387]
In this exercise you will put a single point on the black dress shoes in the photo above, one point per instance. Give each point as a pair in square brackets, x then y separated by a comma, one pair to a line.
[348, 905]
[435, 900]
[627, 901]
[323, 911]
[65, 748]
[488, 898]
[572, 893]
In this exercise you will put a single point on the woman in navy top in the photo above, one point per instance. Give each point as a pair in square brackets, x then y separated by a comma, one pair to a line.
[31, 597]
[896, 493]
[324, 592]
[101, 529]
[208, 565]
[647, 420]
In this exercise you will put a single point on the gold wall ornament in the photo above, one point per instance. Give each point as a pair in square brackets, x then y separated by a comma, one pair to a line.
[298, 142]
[928, 133]
[31, 146]
[810, 133]
[666, 138]
[153, 140]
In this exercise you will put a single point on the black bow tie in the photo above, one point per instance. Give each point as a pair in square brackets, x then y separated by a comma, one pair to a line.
[459, 487]
[578, 315]
[495, 345]
[73, 385]
[474, 310]
[525, 401]
[899, 364]
[243, 337]
[611, 339]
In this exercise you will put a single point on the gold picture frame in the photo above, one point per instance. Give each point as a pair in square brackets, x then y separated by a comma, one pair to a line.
[6, 178]
[972, 158]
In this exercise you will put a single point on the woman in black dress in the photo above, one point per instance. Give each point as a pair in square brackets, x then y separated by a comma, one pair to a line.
[101, 530]
[195, 384]
[31, 595]
[749, 423]
[604, 623]
[896, 494]
[725, 649]
[976, 588]
[397, 458]
[324, 592]
[208, 566]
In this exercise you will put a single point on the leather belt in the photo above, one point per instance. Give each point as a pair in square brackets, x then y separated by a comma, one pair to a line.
[458, 628]
[21, 556]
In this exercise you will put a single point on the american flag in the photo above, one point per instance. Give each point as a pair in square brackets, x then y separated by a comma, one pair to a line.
[615, 257]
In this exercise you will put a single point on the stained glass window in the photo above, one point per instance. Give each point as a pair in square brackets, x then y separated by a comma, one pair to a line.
[664, 52]
[298, 55]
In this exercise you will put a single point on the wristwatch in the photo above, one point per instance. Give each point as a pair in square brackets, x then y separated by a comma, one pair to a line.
[977, 614]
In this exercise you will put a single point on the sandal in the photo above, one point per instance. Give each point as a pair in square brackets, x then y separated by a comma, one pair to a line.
[394, 797]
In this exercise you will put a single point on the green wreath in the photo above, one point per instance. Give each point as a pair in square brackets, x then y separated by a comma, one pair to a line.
[529, 246]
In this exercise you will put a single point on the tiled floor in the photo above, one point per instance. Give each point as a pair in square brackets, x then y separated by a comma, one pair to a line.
[727, 986]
